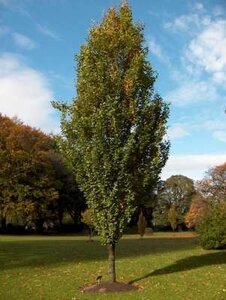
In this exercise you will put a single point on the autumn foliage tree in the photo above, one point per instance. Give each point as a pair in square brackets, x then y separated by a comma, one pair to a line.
[33, 177]
[199, 207]
[213, 185]
[25, 175]
[208, 211]
[211, 190]
[113, 132]
[176, 191]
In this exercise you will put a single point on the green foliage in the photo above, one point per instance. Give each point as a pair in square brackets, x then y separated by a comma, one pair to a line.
[70, 199]
[172, 217]
[212, 228]
[142, 224]
[177, 190]
[112, 133]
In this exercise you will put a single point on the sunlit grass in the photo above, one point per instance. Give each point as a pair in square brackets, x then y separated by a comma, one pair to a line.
[167, 266]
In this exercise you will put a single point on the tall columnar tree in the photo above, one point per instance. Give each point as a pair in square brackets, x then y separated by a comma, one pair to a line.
[113, 132]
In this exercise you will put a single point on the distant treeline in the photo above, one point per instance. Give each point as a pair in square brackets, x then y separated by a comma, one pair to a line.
[39, 193]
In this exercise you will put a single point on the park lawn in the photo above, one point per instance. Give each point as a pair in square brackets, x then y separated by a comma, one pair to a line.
[166, 266]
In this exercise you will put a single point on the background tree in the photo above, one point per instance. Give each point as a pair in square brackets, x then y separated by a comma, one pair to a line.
[213, 185]
[177, 190]
[199, 206]
[209, 212]
[33, 177]
[70, 199]
[212, 227]
[26, 170]
[113, 132]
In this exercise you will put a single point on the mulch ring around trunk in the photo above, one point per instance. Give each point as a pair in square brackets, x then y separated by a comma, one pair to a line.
[110, 287]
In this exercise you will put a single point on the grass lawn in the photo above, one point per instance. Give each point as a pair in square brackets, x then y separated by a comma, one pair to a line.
[167, 266]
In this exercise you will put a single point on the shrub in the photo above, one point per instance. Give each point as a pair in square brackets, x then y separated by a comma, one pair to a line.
[212, 228]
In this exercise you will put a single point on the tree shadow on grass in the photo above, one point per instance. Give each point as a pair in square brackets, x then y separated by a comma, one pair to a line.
[54, 252]
[188, 263]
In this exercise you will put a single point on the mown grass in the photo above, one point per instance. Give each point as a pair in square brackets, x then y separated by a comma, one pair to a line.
[167, 266]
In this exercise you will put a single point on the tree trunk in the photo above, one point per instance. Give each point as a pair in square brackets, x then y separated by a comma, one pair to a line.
[111, 262]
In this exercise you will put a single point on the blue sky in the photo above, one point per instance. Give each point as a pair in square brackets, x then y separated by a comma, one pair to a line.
[187, 47]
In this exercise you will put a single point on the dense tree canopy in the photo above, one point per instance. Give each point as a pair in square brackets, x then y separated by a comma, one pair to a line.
[112, 133]
[211, 190]
[212, 227]
[176, 191]
[213, 185]
[33, 178]
[199, 207]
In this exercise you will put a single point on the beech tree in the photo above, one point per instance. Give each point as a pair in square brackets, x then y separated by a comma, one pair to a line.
[113, 132]
[26, 174]
[35, 183]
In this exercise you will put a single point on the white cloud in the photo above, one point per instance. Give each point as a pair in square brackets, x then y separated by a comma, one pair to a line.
[198, 6]
[193, 166]
[183, 22]
[218, 11]
[206, 35]
[217, 123]
[189, 22]
[156, 49]
[15, 5]
[3, 30]
[204, 56]
[48, 32]
[23, 41]
[220, 135]
[25, 93]
[191, 91]
[207, 49]
[177, 131]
